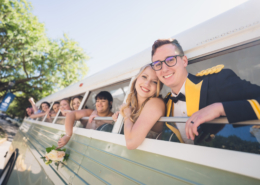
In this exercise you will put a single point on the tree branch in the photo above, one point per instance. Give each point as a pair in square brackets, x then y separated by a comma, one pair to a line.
[24, 68]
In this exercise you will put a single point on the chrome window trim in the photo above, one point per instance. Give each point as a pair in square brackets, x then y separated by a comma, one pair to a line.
[119, 123]
[57, 115]
[222, 120]
[84, 100]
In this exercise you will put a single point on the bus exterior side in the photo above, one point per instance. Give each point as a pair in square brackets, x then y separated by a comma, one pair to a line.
[230, 156]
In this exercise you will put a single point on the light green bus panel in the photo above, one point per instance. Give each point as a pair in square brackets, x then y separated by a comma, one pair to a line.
[94, 161]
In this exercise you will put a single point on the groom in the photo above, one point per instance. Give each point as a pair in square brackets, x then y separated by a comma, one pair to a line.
[208, 95]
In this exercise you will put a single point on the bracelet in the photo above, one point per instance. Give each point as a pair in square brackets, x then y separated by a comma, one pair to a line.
[67, 135]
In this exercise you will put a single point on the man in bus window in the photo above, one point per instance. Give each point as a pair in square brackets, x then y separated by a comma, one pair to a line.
[210, 94]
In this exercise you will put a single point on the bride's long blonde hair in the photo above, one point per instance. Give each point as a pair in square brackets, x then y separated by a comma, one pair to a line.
[132, 100]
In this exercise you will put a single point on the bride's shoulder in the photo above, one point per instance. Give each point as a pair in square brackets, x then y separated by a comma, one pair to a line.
[155, 101]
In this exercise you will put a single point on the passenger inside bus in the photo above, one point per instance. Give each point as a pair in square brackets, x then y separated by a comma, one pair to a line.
[34, 107]
[210, 94]
[44, 109]
[75, 102]
[55, 109]
[143, 108]
[65, 106]
[29, 111]
[103, 104]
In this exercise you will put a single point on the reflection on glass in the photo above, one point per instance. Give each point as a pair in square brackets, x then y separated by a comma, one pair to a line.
[101, 125]
[234, 137]
[60, 120]
[244, 138]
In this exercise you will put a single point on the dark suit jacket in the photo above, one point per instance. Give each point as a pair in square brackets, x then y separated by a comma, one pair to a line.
[240, 98]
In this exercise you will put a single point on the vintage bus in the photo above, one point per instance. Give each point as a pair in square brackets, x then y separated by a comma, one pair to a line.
[101, 157]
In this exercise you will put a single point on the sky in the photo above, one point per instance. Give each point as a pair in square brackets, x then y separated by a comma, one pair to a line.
[110, 31]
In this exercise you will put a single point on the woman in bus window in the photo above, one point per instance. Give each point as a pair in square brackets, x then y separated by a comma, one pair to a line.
[75, 102]
[143, 108]
[65, 106]
[44, 109]
[55, 109]
[103, 104]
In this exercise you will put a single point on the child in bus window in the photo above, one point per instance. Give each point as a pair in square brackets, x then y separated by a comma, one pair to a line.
[143, 108]
[75, 102]
[103, 104]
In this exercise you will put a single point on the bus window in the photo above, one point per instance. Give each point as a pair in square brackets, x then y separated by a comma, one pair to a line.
[244, 62]
[67, 105]
[245, 138]
[118, 92]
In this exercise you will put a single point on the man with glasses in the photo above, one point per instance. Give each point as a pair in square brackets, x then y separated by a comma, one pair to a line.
[213, 93]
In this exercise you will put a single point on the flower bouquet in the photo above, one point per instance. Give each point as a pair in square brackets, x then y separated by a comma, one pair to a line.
[55, 155]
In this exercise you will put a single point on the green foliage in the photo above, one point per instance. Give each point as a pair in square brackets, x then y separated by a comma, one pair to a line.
[48, 162]
[38, 65]
[53, 147]
[66, 157]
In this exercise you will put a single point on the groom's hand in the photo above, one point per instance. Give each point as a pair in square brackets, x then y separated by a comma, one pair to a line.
[204, 115]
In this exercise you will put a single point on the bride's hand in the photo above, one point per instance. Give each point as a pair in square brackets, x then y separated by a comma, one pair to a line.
[115, 116]
[127, 111]
[92, 116]
[63, 141]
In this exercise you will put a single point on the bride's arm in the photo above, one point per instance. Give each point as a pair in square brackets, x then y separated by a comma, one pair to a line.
[135, 133]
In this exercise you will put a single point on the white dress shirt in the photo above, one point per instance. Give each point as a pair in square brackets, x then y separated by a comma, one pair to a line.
[180, 110]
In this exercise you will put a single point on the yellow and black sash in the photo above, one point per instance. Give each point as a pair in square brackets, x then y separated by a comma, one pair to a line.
[193, 93]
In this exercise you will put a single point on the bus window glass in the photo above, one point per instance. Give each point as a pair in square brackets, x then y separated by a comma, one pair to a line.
[118, 92]
[243, 138]
[65, 105]
[245, 63]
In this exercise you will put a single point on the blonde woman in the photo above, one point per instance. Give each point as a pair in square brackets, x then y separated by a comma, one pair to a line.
[75, 102]
[143, 108]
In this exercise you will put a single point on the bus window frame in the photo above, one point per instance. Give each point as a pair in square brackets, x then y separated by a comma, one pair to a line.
[43, 120]
[87, 95]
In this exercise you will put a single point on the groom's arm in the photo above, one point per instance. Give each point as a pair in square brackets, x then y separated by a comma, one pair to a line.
[239, 102]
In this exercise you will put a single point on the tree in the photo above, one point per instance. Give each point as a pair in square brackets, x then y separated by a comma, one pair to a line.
[39, 65]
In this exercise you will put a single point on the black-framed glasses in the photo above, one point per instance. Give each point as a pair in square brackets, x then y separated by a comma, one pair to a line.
[169, 61]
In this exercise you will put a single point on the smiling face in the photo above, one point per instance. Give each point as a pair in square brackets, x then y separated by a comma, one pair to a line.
[75, 103]
[102, 105]
[64, 105]
[44, 107]
[56, 107]
[146, 84]
[29, 111]
[175, 76]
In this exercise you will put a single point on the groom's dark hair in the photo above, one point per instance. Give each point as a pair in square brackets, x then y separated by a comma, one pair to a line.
[160, 42]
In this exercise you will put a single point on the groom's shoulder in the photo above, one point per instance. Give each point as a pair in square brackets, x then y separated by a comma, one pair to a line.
[210, 71]
[217, 72]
